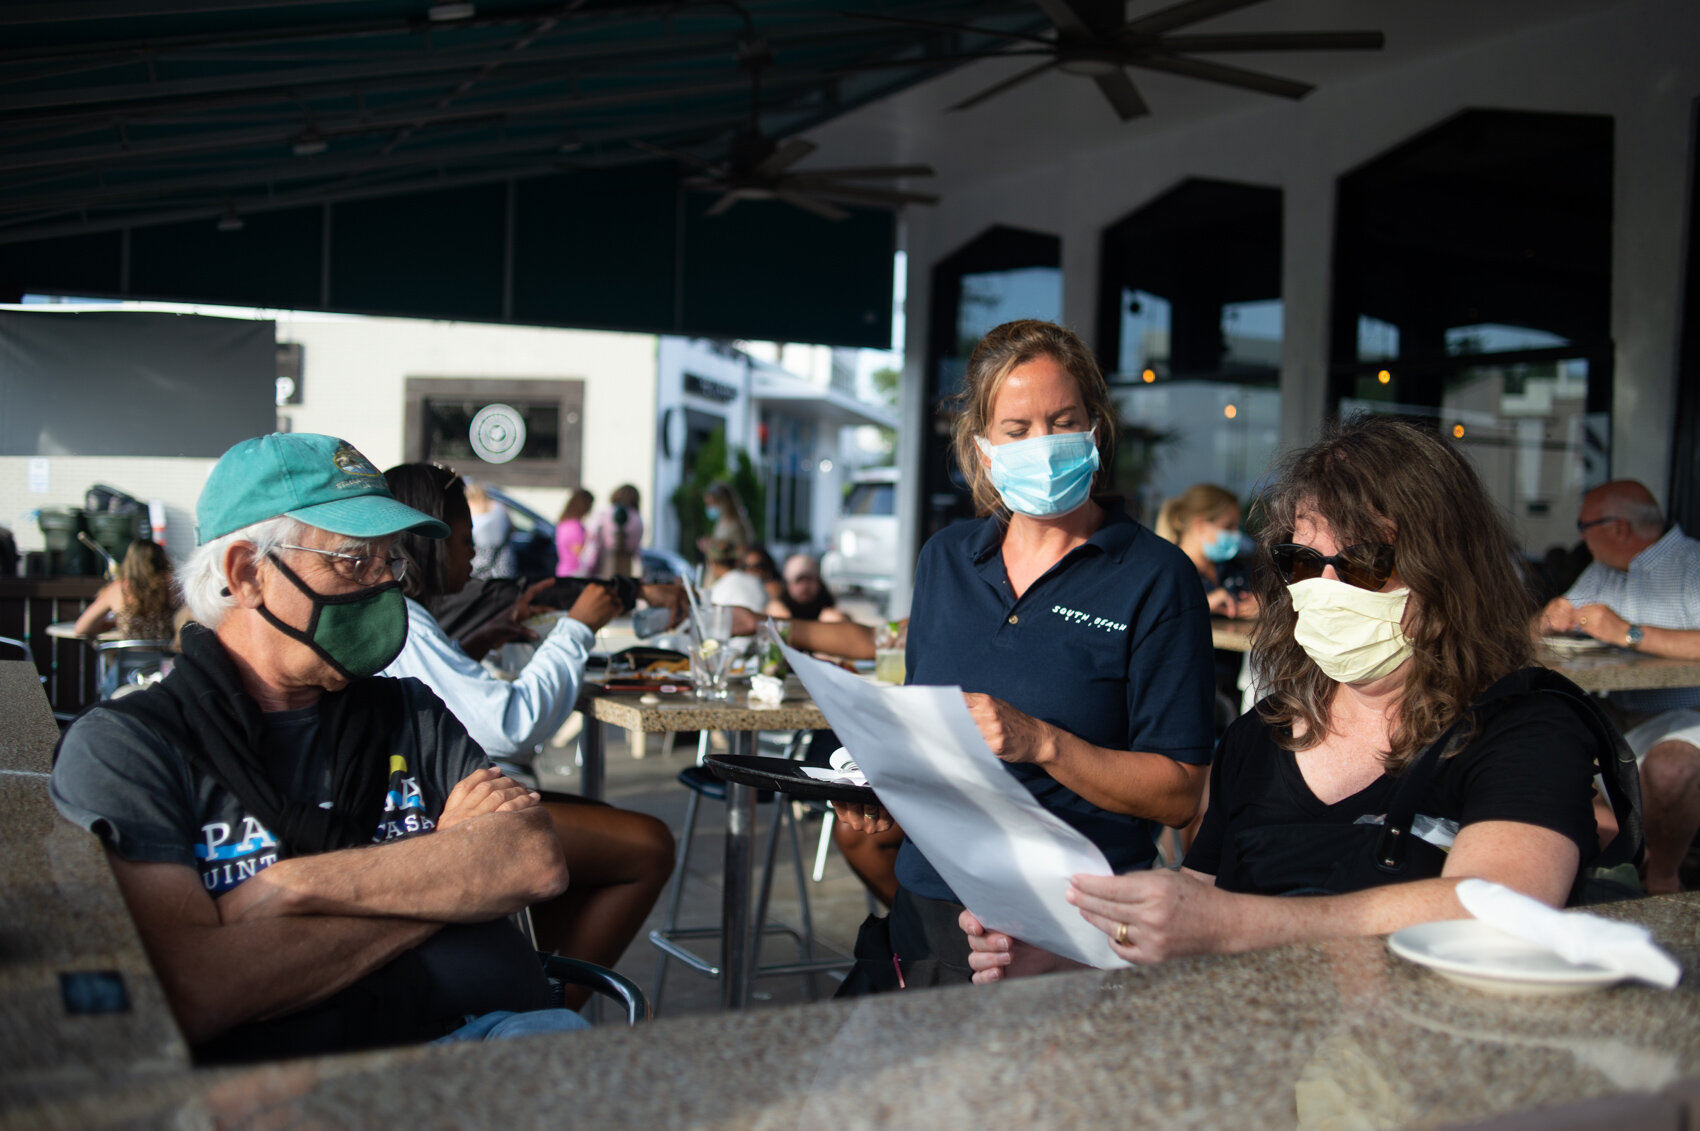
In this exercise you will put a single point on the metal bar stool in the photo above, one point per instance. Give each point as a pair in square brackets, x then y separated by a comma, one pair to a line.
[703, 783]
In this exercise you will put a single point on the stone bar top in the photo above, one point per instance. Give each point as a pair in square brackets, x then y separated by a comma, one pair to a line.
[1339, 1035]
[683, 711]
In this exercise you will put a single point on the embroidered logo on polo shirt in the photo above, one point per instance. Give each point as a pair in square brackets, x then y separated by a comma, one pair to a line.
[1077, 617]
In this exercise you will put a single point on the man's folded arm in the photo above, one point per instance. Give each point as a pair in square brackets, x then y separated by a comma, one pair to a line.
[478, 869]
[217, 975]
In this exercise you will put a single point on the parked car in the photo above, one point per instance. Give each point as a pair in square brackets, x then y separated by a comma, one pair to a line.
[532, 538]
[863, 551]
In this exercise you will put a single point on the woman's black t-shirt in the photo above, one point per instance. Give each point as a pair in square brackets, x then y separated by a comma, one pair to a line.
[1532, 760]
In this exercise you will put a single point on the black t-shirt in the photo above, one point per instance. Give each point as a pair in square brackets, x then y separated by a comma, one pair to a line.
[1532, 760]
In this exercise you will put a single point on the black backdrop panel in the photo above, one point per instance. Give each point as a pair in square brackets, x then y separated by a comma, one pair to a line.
[73, 265]
[272, 261]
[430, 254]
[769, 271]
[597, 251]
[133, 384]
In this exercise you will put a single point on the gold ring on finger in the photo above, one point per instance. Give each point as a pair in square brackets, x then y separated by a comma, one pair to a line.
[1121, 933]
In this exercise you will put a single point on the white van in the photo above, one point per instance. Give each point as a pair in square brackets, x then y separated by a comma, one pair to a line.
[863, 554]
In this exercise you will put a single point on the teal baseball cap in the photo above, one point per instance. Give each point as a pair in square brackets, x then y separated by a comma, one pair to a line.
[319, 480]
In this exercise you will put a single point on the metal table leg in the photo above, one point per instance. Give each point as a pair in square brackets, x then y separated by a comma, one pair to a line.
[592, 742]
[735, 949]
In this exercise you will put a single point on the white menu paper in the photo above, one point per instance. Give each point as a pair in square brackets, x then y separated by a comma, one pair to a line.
[1007, 858]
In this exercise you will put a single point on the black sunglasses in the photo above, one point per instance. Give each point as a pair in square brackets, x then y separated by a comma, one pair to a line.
[1367, 566]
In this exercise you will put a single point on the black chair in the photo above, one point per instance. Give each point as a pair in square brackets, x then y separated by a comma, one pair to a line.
[562, 972]
[599, 979]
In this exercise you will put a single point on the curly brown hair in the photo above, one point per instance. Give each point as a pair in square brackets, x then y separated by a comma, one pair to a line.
[1378, 479]
[150, 592]
[999, 353]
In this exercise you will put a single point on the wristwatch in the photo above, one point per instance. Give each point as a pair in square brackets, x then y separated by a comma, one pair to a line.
[1633, 636]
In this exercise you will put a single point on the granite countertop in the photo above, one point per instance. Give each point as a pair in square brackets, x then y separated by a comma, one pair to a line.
[1319, 1036]
[681, 711]
[1338, 1035]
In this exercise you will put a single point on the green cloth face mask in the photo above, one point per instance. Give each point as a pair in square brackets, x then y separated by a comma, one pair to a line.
[358, 634]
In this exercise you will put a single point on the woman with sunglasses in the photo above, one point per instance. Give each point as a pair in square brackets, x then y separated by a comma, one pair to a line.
[618, 860]
[1080, 637]
[1393, 638]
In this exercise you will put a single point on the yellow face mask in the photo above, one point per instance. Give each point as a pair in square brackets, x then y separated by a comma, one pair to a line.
[1352, 634]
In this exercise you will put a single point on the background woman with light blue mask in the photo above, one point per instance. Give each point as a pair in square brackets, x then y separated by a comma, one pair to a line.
[1080, 638]
[1204, 521]
[1395, 650]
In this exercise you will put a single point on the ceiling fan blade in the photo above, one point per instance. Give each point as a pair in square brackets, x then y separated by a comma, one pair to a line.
[998, 88]
[1278, 41]
[1224, 74]
[1084, 18]
[862, 194]
[862, 172]
[1123, 95]
[721, 205]
[809, 204]
[934, 25]
[1186, 12]
[788, 154]
[676, 155]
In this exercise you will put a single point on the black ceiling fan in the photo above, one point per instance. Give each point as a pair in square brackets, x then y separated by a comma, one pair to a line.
[756, 166]
[1094, 40]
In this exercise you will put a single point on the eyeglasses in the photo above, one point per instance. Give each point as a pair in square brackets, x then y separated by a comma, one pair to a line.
[1582, 527]
[367, 569]
[1367, 566]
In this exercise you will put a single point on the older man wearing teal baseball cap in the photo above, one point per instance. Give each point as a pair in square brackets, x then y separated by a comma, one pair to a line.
[316, 859]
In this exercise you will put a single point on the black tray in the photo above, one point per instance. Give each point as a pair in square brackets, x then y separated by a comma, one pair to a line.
[785, 776]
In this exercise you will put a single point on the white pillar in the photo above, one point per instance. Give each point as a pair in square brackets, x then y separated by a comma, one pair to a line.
[1307, 271]
[1649, 186]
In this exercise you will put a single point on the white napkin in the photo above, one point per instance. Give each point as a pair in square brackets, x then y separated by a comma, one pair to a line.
[1626, 948]
[844, 770]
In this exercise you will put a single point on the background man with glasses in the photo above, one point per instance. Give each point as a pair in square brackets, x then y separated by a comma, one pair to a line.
[1643, 592]
[265, 809]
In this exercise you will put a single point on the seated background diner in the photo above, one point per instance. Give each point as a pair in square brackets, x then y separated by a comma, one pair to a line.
[619, 860]
[802, 594]
[571, 539]
[1395, 649]
[141, 603]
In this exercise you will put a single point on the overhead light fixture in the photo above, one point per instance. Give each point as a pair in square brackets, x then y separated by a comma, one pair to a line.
[444, 13]
[309, 143]
[230, 221]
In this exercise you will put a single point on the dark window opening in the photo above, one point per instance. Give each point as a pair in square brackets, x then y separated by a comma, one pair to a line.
[1472, 288]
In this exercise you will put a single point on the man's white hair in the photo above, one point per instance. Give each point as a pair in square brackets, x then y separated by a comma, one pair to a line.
[206, 589]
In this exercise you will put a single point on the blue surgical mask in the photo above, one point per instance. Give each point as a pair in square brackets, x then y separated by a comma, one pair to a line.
[1225, 547]
[1043, 476]
[713, 513]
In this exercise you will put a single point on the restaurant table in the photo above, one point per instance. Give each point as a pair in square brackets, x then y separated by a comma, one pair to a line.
[1608, 669]
[104, 658]
[740, 718]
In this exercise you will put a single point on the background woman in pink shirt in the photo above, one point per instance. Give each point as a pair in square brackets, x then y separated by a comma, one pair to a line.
[570, 534]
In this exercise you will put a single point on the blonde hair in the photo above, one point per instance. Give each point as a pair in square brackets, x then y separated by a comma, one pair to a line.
[1201, 500]
[1004, 349]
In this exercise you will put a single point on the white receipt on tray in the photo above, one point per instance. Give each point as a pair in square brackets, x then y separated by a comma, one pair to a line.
[1007, 858]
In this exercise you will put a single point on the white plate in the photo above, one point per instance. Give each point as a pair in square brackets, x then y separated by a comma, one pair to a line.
[1573, 645]
[1474, 954]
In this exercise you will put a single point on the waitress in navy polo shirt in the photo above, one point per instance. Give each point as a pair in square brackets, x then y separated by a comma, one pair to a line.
[1080, 638]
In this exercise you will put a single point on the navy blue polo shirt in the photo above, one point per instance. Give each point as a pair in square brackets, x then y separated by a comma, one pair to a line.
[1112, 644]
